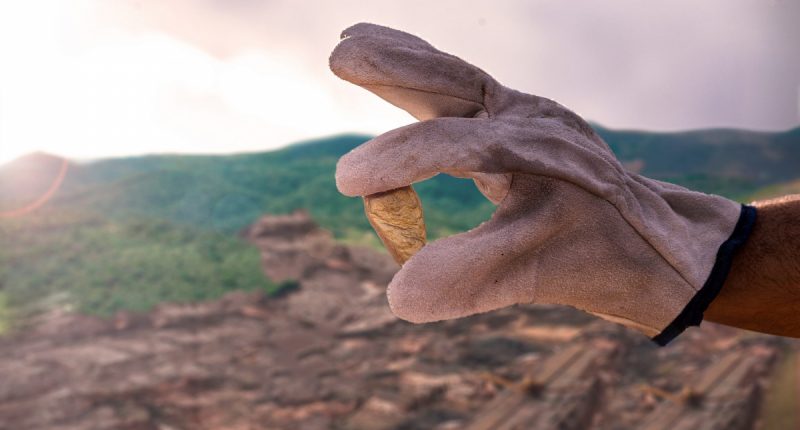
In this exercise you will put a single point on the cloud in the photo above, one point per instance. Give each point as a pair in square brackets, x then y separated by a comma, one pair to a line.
[146, 91]
[88, 78]
[625, 63]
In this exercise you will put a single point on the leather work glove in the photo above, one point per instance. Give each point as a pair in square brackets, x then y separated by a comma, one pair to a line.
[572, 226]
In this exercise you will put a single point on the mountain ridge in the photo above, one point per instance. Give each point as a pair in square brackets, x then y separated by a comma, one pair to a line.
[601, 129]
[731, 162]
[150, 223]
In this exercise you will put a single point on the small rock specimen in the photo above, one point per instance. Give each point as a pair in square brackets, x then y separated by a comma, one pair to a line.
[396, 215]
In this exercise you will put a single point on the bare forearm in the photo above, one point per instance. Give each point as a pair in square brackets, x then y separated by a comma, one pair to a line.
[762, 292]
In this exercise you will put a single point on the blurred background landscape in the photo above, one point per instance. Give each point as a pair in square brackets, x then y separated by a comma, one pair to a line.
[243, 291]
[174, 253]
[128, 233]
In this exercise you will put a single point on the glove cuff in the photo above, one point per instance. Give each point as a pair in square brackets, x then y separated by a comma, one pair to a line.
[692, 314]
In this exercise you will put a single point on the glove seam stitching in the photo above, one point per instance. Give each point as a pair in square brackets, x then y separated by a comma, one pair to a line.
[644, 237]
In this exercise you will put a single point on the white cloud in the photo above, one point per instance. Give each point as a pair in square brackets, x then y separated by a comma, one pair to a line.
[91, 78]
[144, 91]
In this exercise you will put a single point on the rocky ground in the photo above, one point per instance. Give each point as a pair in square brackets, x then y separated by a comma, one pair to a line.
[329, 354]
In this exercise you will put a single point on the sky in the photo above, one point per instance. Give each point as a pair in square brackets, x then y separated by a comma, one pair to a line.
[92, 78]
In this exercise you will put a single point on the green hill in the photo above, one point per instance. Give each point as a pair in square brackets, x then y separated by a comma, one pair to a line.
[225, 193]
[776, 190]
[99, 266]
[126, 233]
[729, 162]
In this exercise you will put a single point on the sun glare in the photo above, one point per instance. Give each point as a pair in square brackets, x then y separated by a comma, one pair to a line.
[43, 198]
[116, 91]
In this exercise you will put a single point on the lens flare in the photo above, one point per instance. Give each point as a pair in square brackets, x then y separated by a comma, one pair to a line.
[51, 191]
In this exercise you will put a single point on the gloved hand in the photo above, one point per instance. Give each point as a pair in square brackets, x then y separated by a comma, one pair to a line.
[572, 226]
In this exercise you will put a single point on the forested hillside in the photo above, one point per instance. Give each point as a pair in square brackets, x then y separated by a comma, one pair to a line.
[127, 233]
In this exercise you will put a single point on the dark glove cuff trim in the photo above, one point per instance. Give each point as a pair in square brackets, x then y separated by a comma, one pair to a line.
[692, 314]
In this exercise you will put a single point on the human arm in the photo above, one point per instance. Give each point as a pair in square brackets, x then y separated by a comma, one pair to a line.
[762, 292]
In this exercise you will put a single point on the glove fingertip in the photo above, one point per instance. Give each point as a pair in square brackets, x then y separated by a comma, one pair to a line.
[404, 305]
[348, 181]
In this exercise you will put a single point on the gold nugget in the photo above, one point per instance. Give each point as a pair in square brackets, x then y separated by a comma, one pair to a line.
[396, 216]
